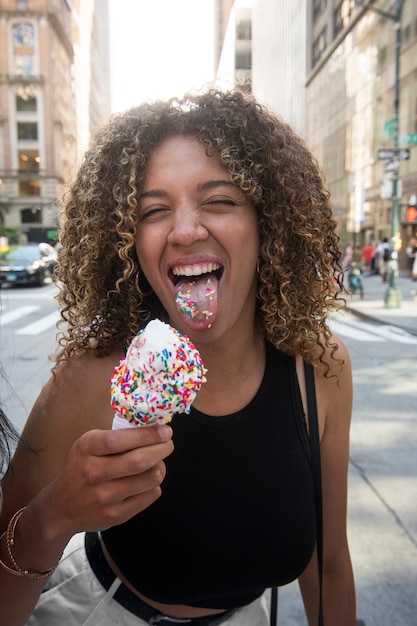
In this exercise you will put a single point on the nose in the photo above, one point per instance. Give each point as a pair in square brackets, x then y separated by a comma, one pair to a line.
[187, 227]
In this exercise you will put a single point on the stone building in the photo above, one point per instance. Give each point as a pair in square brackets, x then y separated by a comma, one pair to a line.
[47, 105]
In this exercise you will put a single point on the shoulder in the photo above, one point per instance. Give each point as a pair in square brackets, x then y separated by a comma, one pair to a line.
[334, 388]
[333, 383]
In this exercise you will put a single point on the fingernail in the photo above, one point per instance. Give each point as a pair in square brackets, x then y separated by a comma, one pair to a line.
[165, 432]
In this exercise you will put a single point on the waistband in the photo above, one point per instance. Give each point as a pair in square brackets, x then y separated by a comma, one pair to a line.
[131, 602]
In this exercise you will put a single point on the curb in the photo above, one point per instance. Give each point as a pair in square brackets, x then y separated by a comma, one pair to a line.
[380, 321]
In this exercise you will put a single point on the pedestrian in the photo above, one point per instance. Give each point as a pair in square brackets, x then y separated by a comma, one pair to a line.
[383, 252]
[367, 254]
[347, 255]
[191, 523]
[411, 252]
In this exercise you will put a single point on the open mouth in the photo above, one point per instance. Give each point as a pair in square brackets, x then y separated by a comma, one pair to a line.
[195, 272]
[196, 292]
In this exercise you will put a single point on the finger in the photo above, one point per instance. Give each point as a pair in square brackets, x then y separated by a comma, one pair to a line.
[107, 442]
[128, 486]
[128, 508]
[120, 499]
[94, 470]
[132, 463]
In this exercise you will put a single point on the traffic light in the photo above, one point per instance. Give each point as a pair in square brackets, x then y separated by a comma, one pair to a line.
[411, 214]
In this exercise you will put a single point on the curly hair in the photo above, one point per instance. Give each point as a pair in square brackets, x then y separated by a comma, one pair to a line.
[104, 297]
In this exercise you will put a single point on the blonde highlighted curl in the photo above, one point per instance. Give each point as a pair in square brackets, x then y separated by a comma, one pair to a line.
[104, 297]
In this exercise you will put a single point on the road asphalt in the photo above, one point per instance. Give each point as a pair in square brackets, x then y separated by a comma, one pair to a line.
[382, 518]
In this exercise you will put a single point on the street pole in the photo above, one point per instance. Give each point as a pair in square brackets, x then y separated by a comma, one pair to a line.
[393, 294]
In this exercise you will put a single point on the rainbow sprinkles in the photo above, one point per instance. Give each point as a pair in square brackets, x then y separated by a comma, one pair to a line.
[160, 376]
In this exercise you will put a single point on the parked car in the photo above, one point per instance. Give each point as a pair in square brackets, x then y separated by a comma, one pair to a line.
[27, 265]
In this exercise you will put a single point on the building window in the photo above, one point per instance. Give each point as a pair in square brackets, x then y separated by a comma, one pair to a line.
[244, 30]
[29, 188]
[382, 56]
[26, 103]
[24, 65]
[27, 131]
[243, 60]
[341, 16]
[23, 35]
[31, 215]
[318, 8]
[406, 33]
[319, 46]
[29, 160]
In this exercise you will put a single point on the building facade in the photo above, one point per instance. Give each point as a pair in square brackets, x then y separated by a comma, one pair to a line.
[329, 68]
[360, 71]
[41, 128]
[279, 58]
[233, 56]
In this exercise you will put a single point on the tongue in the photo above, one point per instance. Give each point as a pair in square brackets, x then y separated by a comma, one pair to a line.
[196, 300]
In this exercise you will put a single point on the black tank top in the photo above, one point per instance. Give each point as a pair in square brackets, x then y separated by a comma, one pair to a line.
[236, 513]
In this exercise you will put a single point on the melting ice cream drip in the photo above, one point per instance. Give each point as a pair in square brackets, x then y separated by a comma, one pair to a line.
[196, 299]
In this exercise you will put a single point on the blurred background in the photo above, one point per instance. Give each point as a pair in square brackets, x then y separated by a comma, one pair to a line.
[344, 73]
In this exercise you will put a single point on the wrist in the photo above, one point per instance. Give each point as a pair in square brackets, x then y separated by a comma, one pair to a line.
[30, 546]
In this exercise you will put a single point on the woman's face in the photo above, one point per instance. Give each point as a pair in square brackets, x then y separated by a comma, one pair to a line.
[197, 239]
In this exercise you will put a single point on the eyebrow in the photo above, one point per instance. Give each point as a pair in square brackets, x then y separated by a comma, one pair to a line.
[210, 184]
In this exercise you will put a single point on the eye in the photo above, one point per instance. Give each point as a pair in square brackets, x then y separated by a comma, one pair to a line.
[220, 201]
[153, 212]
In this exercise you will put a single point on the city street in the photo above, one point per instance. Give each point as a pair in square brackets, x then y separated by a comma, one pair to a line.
[27, 336]
[383, 468]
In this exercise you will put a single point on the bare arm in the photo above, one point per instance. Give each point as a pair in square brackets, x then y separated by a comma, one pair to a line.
[334, 401]
[80, 476]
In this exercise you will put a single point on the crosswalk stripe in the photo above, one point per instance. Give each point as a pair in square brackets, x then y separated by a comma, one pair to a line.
[392, 333]
[42, 324]
[12, 316]
[363, 331]
[341, 328]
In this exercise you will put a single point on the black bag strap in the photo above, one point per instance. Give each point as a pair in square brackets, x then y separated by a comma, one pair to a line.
[274, 607]
[316, 470]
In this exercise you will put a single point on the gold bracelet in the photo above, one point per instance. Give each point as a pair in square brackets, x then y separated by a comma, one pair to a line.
[18, 571]
[7, 568]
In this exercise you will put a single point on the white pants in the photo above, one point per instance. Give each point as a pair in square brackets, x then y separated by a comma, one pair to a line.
[74, 597]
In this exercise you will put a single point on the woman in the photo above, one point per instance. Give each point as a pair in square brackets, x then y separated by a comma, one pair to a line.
[199, 519]
[8, 437]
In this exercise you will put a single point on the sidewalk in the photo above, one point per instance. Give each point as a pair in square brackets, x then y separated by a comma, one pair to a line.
[382, 509]
[373, 303]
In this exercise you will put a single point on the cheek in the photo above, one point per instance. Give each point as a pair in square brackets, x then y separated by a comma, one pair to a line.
[146, 246]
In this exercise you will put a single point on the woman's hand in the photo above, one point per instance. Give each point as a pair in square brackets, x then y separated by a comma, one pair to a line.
[108, 477]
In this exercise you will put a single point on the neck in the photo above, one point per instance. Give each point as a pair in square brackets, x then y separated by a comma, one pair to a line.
[234, 374]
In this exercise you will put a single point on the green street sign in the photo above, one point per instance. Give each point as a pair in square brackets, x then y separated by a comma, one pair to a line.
[411, 137]
[407, 138]
[389, 127]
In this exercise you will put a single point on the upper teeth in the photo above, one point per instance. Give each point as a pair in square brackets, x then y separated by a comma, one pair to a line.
[195, 270]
